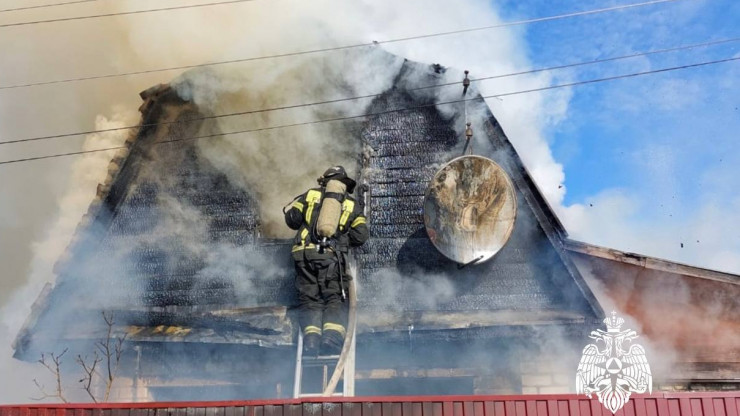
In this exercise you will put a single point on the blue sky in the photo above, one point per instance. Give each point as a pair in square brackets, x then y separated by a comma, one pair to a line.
[599, 144]
[668, 142]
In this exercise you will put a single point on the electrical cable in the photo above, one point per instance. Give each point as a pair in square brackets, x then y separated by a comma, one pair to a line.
[551, 87]
[95, 16]
[329, 49]
[42, 6]
[333, 101]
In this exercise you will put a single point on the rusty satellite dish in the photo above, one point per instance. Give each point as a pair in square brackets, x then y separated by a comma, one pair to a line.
[469, 209]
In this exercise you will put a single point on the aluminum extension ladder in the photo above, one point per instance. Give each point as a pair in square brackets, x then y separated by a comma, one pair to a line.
[321, 369]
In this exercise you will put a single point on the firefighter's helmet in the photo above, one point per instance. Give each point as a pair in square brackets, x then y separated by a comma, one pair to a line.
[338, 173]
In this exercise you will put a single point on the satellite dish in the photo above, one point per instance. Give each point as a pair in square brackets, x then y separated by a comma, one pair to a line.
[469, 209]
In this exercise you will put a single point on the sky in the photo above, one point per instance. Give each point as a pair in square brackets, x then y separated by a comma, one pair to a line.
[646, 164]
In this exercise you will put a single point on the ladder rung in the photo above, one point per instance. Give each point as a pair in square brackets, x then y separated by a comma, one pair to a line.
[320, 360]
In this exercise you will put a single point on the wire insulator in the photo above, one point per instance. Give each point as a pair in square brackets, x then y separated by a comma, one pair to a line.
[466, 82]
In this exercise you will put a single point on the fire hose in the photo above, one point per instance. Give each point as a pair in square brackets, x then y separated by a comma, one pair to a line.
[351, 325]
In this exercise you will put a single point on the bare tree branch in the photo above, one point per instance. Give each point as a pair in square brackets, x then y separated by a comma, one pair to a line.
[109, 349]
[90, 372]
[112, 353]
[54, 367]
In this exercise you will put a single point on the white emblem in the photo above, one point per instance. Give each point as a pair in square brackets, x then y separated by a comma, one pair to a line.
[615, 371]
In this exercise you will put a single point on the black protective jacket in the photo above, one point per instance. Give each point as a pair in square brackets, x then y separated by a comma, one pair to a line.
[304, 212]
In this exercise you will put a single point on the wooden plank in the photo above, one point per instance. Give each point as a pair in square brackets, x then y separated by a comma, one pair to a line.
[349, 409]
[563, 408]
[541, 408]
[488, 408]
[457, 409]
[640, 407]
[396, 410]
[629, 408]
[427, 408]
[707, 406]
[272, 410]
[719, 407]
[467, 408]
[552, 408]
[685, 407]
[258, 410]
[651, 407]
[498, 409]
[446, 409]
[509, 408]
[217, 411]
[415, 410]
[478, 409]
[731, 406]
[520, 408]
[673, 408]
[386, 409]
[585, 407]
[597, 408]
[696, 408]
[575, 409]
[330, 409]
[372, 409]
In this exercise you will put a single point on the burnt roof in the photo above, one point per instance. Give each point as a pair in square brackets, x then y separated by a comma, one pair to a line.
[161, 281]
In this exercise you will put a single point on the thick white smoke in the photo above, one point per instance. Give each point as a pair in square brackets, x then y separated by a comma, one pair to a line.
[84, 177]
[217, 33]
[252, 29]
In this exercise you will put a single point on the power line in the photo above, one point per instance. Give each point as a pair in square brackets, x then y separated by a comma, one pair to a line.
[96, 16]
[333, 101]
[42, 6]
[330, 49]
[551, 87]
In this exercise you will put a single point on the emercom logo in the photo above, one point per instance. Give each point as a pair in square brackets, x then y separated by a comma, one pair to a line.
[613, 367]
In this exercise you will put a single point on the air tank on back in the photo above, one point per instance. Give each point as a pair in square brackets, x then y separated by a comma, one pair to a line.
[470, 209]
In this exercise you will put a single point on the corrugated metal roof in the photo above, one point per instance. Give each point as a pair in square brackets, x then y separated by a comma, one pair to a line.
[674, 404]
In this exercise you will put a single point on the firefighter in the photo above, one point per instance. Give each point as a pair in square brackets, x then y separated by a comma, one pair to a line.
[329, 222]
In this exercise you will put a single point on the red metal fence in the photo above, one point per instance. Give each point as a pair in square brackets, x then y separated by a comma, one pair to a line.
[673, 404]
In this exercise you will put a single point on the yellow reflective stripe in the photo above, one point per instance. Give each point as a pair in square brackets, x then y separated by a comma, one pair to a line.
[311, 329]
[359, 220]
[299, 247]
[335, 327]
[304, 235]
[312, 198]
[347, 207]
[298, 205]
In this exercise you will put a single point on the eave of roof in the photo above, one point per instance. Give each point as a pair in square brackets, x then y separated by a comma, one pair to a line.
[648, 262]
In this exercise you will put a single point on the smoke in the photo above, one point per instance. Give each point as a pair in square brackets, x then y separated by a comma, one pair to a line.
[274, 165]
[85, 175]
[264, 162]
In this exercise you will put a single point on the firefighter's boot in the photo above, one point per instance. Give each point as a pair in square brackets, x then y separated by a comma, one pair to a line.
[311, 345]
[331, 343]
